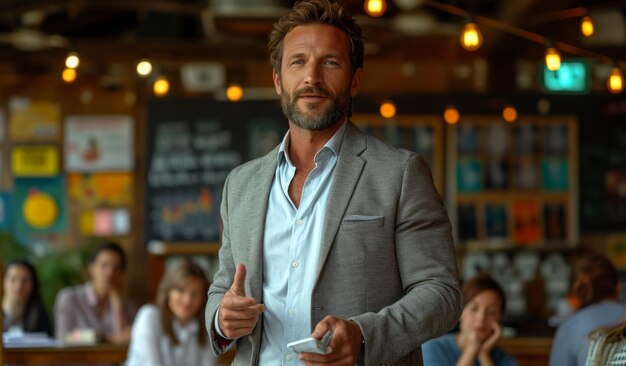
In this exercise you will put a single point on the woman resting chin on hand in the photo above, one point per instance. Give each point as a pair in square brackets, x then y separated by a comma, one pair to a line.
[479, 330]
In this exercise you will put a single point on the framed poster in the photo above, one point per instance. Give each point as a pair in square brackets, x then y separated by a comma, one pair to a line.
[99, 143]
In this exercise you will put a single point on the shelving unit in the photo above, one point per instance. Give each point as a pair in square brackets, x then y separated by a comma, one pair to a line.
[515, 184]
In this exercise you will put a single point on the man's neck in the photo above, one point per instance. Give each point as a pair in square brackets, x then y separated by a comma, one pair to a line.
[304, 144]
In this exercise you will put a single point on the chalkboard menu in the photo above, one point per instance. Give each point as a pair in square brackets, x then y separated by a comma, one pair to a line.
[192, 145]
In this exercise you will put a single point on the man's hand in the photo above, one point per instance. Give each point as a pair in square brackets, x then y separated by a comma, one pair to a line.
[345, 345]
[238, 314]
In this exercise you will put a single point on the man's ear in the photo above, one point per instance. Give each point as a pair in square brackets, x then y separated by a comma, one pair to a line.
[276, 77]
[356, 81]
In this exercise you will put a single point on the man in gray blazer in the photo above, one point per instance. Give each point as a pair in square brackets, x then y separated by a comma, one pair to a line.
[333, 230]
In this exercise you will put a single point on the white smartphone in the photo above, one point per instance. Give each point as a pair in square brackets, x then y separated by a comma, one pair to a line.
[312, 345]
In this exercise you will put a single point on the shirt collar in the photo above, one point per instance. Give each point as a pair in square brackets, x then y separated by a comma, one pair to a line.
[334, 144]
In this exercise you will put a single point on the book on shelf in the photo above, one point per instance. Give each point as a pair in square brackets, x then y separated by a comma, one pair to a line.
[468, 227]
[496, 221]
[526, 222]
[469, 175]
[554, 174]
[554, 221]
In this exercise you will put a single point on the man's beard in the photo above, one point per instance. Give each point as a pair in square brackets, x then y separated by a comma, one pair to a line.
[319, 120]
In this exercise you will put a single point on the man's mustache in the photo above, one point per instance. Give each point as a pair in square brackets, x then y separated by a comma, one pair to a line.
[311, 90]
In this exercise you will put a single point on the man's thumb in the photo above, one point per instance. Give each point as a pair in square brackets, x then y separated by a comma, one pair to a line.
[238, 287]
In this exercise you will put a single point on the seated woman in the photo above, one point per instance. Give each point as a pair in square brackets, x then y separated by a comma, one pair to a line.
[171, 333]
[479, 329]
[97, 305]
[596, 284]
[21, 304]
[608, 346]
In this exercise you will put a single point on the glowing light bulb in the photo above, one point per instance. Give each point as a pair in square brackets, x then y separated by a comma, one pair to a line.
[553, 59]
[387, 109]
[586, 26]
[471, 38]
[509, 113]
[615, 82]
[144, 68]
[69, 75]
[375, 8]
[234, 93]
[72, 60]
[451, 115]
[161, 86]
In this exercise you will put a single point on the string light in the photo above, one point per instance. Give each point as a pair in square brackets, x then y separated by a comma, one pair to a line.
[586, 26]
[234, 92]
[72, 60]
[161, 86]
[451, 115]
[471, 38]
[387, 109]
[69, 75]
[615, 82]
[509, 113]
[375, 8]
[144, 68]
[553, 59]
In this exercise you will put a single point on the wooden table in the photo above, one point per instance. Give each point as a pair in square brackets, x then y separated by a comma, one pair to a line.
[63, 355]
[528, 351]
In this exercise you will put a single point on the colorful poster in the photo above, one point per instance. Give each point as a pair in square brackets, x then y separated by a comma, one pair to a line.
[35, 161]
[5, 211]
[34, 120]
[99, 143]
[101, 189]
[39, 205]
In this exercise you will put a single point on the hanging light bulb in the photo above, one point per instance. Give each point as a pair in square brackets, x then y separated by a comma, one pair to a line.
[72, 60]
[615, 82]
[69, 75]
[451, 115]
[509, 113]
[234, 92]
[375, 8]
[161, 86]
[471, 38]
[144, 68]
[586, 26]
[553, 59]
[387, 109]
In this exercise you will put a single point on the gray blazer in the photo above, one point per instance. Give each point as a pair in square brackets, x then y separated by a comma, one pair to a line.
[387, 257]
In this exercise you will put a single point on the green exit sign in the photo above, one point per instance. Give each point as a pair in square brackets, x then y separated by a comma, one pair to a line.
[571, 78]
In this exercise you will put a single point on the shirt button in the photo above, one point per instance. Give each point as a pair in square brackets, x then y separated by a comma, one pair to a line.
[291, 311]
[299, 222]
[288, 357]
[295, 264]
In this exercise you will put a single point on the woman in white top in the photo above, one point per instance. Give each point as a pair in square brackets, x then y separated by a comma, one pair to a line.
[171, 332]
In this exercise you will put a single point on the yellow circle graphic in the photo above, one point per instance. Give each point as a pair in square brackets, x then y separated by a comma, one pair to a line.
[40, 210]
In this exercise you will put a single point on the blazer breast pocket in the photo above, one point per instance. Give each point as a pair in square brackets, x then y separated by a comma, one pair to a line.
[362, 222]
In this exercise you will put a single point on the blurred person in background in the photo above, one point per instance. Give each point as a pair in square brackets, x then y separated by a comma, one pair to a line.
[22, 307]
[479, 329]
[596, 285]
[171, 332]
[98, 305]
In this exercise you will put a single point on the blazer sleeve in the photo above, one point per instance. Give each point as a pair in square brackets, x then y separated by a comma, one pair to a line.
[222, 280]
[432, 302]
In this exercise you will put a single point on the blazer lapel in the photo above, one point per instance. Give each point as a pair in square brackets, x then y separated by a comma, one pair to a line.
[256, 210]
[347, 173]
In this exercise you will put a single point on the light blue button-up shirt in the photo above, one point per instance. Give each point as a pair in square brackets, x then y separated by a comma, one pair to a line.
[291, 247]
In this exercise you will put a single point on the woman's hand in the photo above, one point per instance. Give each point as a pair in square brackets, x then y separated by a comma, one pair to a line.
[484, 354]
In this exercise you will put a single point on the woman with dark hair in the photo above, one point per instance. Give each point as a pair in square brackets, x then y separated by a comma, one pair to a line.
[596, 285]
[21, 304]
[171, 332]
[479, 330]
[97, 305]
